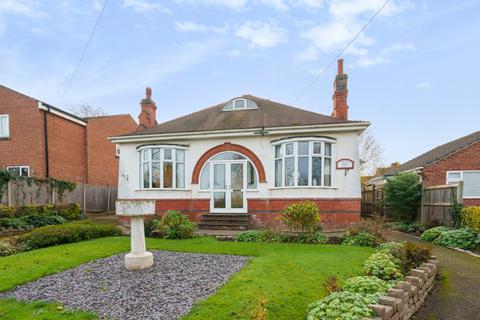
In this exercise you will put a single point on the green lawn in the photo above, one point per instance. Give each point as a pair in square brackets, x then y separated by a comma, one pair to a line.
[287, 276]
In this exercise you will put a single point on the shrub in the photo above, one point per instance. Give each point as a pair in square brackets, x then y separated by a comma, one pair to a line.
[383, 265]
[331, 285]
[301, 217]
[366, 285]
[150, 226]
[66, 233]
[376, 227]
[7, 212]
[317, 237]
[470, 217]
[7, 248]
[412, 228]
[36, 220]
[414, 254]
[455, 211]
[433, 233]
[342, 305]
[70, 211]
[15, 223]
[403, 194]
[175, 225]
[363, 239]
[249, 236]
[464, 238]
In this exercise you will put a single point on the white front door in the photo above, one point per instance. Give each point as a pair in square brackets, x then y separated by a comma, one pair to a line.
[228, 181]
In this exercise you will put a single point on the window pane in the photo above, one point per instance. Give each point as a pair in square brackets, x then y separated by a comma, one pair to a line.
[156, 154]
[14, 170]
[289, 171]
[278, 150]
[316, 171]
[454, 177]
[328, 172]
[251, 177]
[302, 171]
[205, 178]
[167, 154]
[471, 184]
[146, 175]
[219, 199]
[228, 106]
[289, 148]
[237, 199]
[219, 176]
[239, 104]
[328, 149]
[167, 175]
[3, 127]
[303, 148]
[24, 172]
[317, 147]
[155, 174]
[251, 105]
[278, 173]
[180, 154]
[146, 155]
[180, 175]
[228, 156]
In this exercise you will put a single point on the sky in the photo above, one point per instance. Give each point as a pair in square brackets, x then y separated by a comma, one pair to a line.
[414, 73]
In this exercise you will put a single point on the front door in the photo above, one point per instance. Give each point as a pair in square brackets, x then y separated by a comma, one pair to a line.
[228, 191]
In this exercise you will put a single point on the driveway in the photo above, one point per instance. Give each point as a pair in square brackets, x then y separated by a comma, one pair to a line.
[457, 295]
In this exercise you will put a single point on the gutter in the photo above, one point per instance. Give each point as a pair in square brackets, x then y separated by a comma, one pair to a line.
[345, 127]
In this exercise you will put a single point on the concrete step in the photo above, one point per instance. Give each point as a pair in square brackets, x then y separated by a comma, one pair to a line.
[221, 227]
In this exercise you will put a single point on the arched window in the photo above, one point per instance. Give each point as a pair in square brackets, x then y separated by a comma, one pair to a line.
[205, 175]
[304, 162]
[239, 104]
[161, 167]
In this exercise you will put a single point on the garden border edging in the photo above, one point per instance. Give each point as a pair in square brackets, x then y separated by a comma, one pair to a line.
[406, 298]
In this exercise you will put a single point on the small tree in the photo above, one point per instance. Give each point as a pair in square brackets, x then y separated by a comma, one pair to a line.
[403, 194]
[301, 217]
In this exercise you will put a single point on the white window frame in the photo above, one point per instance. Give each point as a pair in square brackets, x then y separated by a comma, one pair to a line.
[117, 150]
[20, 167]
[5, 116]
[311, 141]
[173, 160]
[230, 105]
[461, 179]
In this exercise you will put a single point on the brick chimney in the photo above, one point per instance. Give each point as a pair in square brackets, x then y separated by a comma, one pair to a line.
[148, 114]
[340, 93]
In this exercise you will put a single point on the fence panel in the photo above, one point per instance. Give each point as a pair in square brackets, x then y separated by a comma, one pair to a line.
[436, 202]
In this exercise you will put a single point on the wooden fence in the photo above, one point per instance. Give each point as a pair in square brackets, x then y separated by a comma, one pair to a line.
[434, 205]
[91, 198]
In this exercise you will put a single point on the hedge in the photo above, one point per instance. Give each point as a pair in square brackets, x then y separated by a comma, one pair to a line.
[471, 218]
[69, 211]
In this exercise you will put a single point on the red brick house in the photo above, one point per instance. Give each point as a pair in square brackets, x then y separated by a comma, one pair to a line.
[449, 163]
[37, 139]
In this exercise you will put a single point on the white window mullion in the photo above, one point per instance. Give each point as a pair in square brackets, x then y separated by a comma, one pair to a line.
[310, 169]
[174, 168]
[322, 165]
[161, 167]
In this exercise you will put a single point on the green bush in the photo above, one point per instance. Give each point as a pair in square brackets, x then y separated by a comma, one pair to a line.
[455, 211]
[411, 227]
[7, 248]
[317, 237]
[403, 194]
[7, 212]
[363, 239]
[377, 227]
[342, 305]
[464, 238]
[249, 236]
[366, 285]
[15, 223]
[433, 233]
[150, 226]
[36, 220]
[413, 255]
[70, 211]
[66, 233]
[301, 217]
[470, 217]
[174, 225]
[383, 265]
[394, 248]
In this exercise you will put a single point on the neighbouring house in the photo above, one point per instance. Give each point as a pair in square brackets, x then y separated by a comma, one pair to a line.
[245, 157]
[457, 160]
[37, 139]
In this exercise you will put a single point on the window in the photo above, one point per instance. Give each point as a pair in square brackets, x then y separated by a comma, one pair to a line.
[4, 130]
[239, 104]
[161, 168]
[23, 171]
[117, 150]
[303, 163]
[471, 182]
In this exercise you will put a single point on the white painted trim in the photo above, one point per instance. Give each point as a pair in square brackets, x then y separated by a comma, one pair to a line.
[20, 167]
[201, 135]
[64, 115]
[461, 179]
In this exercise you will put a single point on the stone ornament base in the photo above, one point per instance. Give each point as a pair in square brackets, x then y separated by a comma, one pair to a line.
[403, 301]
[138, 261]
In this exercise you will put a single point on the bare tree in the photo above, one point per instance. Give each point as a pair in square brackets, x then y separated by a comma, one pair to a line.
[370, 153]
[87, 111]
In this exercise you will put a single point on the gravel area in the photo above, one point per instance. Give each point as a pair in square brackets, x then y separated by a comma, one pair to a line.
[167, 290]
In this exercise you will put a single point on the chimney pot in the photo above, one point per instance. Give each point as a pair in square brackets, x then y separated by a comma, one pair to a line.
[340, 66]
[148, 93]
[148, 112]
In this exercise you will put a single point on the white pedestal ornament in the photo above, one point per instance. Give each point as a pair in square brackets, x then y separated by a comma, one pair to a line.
[138, 258]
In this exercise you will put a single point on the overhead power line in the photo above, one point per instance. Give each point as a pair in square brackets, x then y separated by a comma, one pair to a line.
[340, 53]
[83, 52]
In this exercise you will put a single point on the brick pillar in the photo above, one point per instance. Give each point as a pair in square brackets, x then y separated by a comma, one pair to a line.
[340, 94]
[148, 113]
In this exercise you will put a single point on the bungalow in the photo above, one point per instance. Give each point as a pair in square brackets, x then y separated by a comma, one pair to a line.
[245, 158]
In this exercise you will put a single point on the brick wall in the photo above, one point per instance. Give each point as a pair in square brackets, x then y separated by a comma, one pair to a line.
[25, 146]
[102, 161]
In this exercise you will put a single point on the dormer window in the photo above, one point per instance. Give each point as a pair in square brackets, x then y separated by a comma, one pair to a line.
[239, 104]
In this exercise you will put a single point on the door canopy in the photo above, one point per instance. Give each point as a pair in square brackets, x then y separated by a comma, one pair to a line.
[227, 146]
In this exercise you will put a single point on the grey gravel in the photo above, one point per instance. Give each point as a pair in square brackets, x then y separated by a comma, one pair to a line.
[167, 290]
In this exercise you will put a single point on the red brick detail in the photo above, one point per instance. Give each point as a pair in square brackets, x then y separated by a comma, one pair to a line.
[471, 202]
[227, 146]
[340, 95]
[194, 208]
[148, 113]
[466, 159]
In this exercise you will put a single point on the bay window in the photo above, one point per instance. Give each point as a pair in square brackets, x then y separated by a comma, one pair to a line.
[161, 167]
[303, 163]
